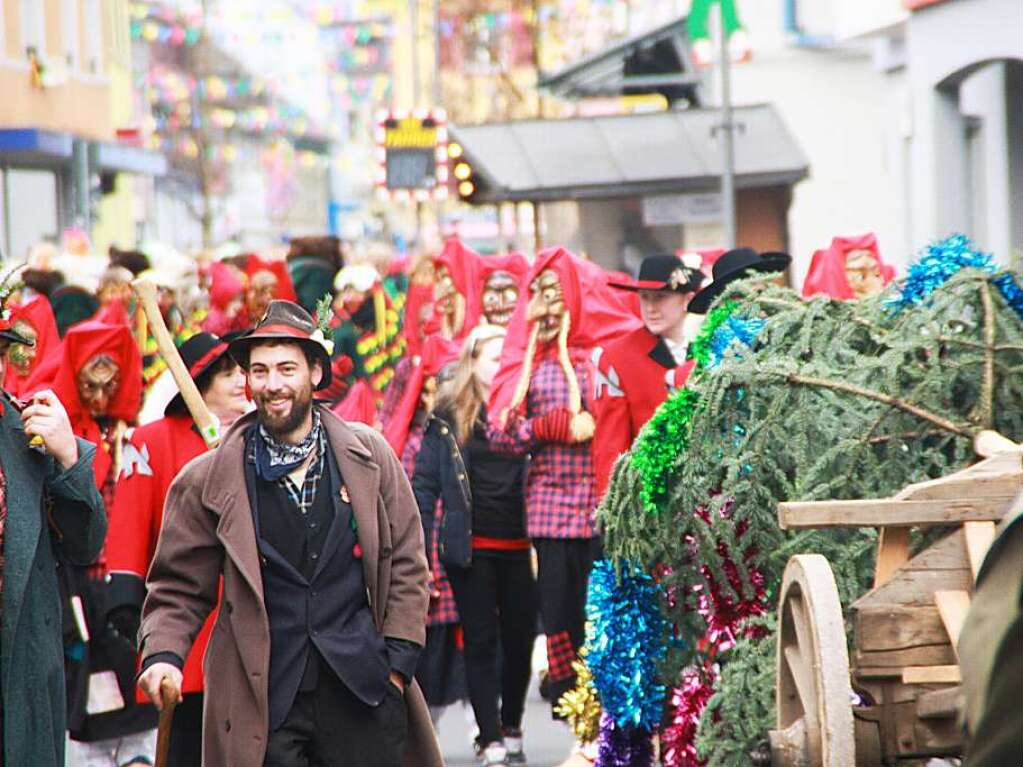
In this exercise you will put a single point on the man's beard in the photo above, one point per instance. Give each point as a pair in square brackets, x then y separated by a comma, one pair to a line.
[280, 426]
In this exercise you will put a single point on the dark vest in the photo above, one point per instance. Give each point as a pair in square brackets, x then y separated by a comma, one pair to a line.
[328, 611]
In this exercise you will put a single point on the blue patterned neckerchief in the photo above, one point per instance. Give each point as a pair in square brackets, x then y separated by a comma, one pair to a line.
[276, 459]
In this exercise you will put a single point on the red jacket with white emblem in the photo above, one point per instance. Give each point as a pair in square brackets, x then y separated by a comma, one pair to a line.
[634, 375]
[151, 459]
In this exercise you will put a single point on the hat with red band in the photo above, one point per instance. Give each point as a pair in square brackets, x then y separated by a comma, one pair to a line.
[284, 321]
[200, 353]
[666, 272]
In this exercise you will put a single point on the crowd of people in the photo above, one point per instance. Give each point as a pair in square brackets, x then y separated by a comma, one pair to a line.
[402, 499]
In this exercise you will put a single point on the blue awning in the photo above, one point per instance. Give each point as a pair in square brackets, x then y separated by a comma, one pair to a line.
[30, 146]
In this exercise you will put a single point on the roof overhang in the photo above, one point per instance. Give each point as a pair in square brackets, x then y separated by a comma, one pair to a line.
[605, 73]
[120, 158]
[35, 148]
[626, 155]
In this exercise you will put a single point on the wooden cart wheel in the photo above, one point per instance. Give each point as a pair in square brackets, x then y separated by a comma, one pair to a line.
[812, 691]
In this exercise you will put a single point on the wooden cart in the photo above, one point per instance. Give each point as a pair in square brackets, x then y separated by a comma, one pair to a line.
[895, 697]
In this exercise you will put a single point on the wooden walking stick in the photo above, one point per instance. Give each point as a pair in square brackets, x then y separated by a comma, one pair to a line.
[146, 292]
[170, 701]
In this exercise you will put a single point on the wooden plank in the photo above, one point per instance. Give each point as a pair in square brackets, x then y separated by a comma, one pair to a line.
[943, 565]
[978, 536]
[990, 443]
[879, 513]
[927, 655]
[939, 704]
[897, 627]
[953, 606]
[931, 675]
[892, 553]
[967, 484]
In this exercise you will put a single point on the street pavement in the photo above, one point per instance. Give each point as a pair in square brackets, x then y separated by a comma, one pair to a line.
[547, 742]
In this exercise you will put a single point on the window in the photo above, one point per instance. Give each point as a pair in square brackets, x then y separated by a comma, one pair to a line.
[69, 33]
[93, 36]
[33, 26]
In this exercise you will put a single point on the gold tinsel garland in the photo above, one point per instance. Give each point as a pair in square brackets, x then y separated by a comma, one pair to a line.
[580, 706]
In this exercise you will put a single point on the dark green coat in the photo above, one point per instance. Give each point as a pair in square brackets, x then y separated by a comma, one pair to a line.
[31, 647]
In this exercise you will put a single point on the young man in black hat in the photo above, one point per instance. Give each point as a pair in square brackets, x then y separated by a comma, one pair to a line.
[634, 372]
[151, 459]
[310, 529]
[735, 265]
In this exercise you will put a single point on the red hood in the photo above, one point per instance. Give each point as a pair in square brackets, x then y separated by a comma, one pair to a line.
[359, 405]
[436, 354]
[37, 313]
[464, 265]
[603, 315]
[827, 269]
[83, 342]
[225, 285]
[413, 327]
[285, 288]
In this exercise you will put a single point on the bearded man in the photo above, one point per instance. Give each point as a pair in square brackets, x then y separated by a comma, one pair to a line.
[50, 511]
[540, 406]
[310, 526]
[152, 456]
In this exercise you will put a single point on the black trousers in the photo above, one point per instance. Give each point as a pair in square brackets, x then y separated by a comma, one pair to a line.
[563, 573]
[496, 599]
[186, 732]
[330, 727]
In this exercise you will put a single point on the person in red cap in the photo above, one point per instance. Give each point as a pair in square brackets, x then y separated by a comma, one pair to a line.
[51, 514]
[32, 320]
[305, 529]
[152, 456]
[539, 406]
[850, 268]
[634, 373]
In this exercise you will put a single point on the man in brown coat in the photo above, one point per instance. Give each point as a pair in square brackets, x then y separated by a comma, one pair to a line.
[312, 526]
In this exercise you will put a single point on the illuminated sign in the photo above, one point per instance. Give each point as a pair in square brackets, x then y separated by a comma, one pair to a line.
[412, 151]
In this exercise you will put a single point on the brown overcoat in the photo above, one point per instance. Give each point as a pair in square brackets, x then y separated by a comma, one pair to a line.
[208, 533]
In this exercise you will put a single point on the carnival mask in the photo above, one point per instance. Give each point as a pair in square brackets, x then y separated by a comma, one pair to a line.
[546, 305]
[863, 273]
[19, 356]
[261, 291]
[500, 294]
[98, 382]
[448, 301]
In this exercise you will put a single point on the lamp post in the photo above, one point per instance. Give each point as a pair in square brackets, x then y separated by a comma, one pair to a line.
[728, 142]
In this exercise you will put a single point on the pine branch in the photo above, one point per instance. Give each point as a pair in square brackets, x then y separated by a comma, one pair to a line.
[885, 399]
[988, 385]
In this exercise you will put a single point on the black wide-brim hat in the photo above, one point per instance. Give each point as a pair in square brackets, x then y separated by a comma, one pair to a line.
[734, 265]
[199, 353]
[663, 272]
[9, 336]
[283, 321]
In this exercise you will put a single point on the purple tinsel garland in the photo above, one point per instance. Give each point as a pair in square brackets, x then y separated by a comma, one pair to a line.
[623, 746]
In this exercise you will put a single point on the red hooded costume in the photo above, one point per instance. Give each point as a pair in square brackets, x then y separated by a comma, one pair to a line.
[359, 404]
[827, 272]
[225, 286]
[464, 265]
[37, 313]
[83, 342]
[437, 352]
[285, 288]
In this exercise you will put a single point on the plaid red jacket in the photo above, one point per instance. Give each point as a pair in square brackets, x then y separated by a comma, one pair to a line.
[560, 484]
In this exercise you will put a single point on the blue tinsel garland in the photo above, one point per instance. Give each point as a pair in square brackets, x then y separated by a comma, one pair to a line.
[733, 329]
[939, 263]
[1011, 292]
[625, 645]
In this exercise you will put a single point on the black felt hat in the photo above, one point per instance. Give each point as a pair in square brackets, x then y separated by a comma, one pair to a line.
[734, 265]
[283, 321]
[664, 272]
[199, 353]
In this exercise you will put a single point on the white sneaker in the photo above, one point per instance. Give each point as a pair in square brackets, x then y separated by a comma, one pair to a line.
[494, 755]
[513, 742]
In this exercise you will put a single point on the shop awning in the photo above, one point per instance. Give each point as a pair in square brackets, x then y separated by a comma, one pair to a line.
[626, 155]
[121, 158]
[33, 147]
[657, 61]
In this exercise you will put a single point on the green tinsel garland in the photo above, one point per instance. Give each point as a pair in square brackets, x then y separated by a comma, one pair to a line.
[700, 348]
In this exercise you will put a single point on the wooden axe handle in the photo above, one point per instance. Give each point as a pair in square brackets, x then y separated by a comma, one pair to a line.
[146, 292]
